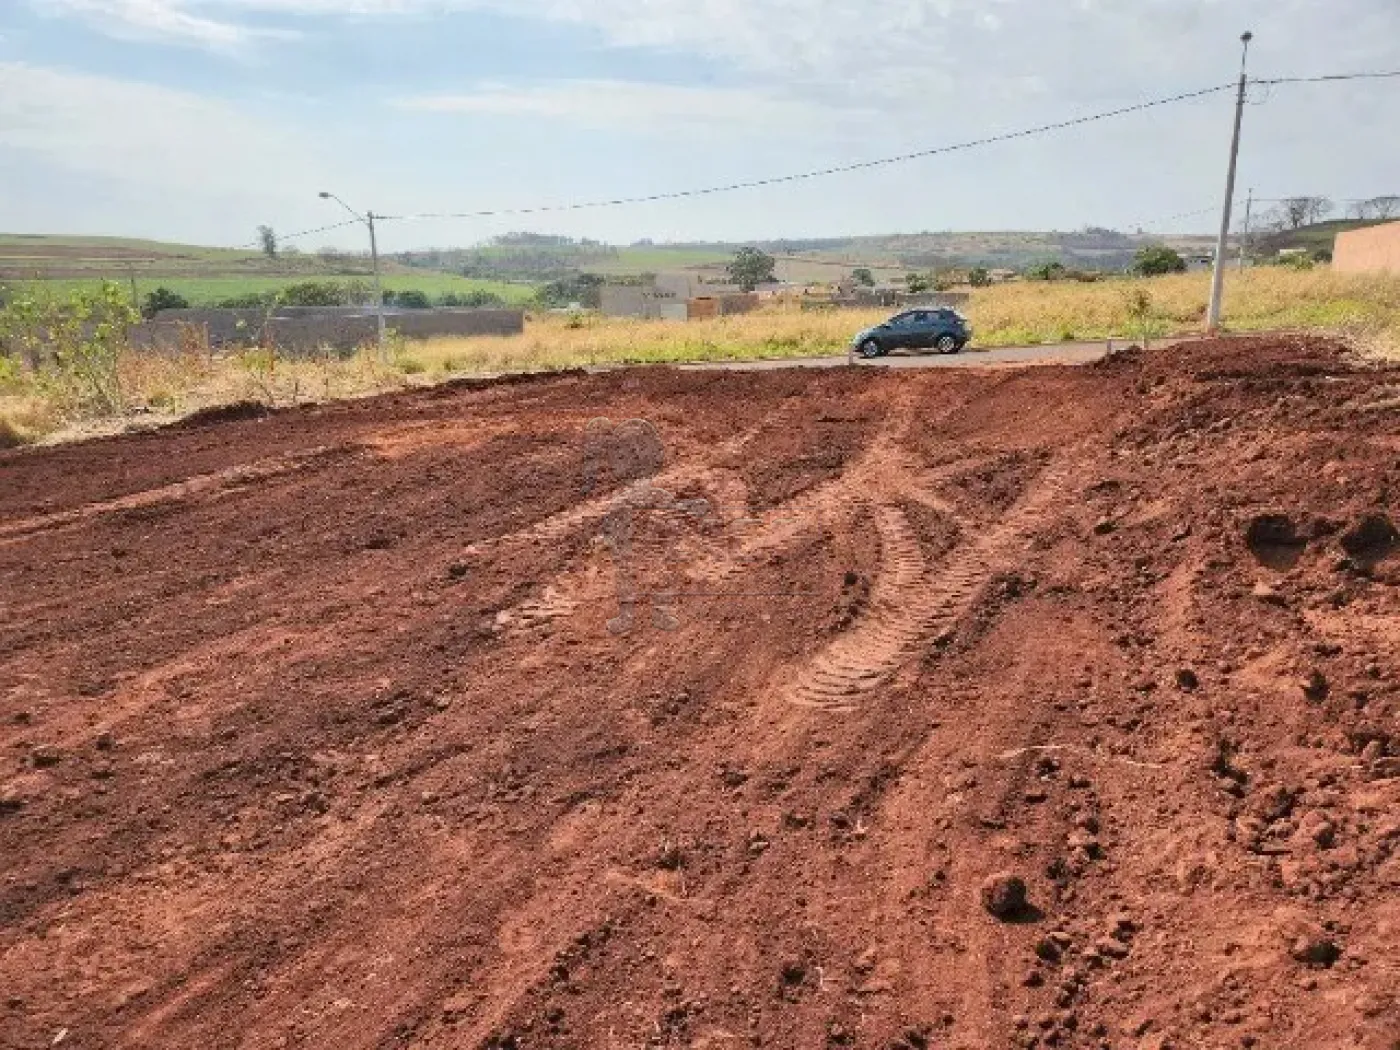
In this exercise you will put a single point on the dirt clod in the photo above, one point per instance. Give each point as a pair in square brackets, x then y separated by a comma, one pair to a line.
[1315, 949]
[1004, 895]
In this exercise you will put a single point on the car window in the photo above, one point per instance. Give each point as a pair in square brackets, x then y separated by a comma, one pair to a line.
[901, 320]
[922, 317]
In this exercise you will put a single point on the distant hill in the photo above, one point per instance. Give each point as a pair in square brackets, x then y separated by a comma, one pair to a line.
[206, 276]
[517, 264]
[542, 257]
[29, 257]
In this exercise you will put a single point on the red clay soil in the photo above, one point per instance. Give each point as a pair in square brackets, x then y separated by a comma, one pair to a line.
[313, 732]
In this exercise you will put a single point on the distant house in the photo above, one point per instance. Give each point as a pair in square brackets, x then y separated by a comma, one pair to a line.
[1374, 249]
[1198, 261]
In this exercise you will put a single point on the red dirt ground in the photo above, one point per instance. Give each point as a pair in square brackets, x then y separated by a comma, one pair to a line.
[313, 732]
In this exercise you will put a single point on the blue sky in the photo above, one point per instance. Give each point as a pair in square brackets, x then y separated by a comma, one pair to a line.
[199, 119]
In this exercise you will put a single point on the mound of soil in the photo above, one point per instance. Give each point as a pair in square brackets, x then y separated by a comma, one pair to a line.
[1050, 707]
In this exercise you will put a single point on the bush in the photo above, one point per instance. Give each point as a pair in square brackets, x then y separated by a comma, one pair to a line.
[163, 299]
[582, 289]
[979, 277]
[246, 301]
[74, 345]
[411, 299]
[1047, 271]
[313, 293]
[1156, 260]
[862, 276]
[475, 299]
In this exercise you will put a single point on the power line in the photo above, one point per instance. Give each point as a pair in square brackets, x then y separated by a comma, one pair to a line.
[300, 233]
[839, 169]
[1329, 78]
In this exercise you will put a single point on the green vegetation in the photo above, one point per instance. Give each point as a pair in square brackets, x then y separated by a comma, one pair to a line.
[751, 267]
[212, 291]
[162, 299]
[1156, 260]
[68, 350]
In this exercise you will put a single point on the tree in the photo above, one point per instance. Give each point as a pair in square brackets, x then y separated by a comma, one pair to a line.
[1297, 212]
[751, 267]
[267, 237]
[916, 283]
[162, 299]
[1157, 259]
[978, 277]
[862, 276]
[1381, 208]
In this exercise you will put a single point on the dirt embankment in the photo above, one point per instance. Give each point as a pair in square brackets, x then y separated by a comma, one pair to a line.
[449, 720]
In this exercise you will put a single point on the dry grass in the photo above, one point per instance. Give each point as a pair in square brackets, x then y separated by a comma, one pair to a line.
[1365, 309]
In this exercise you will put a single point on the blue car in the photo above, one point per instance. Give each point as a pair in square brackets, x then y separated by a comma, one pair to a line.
[932, 328]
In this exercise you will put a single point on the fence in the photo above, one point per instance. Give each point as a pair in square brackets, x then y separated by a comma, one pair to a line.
[308, 329]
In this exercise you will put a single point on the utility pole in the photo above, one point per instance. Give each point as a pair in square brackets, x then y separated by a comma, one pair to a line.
[1217, 284]
[378, 287]
[368, 220]
[1245, 243]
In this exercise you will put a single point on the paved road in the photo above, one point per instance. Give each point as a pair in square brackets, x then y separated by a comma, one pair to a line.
[1056, 353]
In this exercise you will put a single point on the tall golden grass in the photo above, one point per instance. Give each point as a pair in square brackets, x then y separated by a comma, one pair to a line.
[1365, 309]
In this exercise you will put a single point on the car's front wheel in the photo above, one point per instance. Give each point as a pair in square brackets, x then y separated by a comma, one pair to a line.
[947, 344]
[870, 348]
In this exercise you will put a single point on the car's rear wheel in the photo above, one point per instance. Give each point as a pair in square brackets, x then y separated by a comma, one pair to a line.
[947, 345]
[871, 348]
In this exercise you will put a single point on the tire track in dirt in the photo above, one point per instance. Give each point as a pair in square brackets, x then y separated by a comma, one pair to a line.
[911, 603]
[220, 483]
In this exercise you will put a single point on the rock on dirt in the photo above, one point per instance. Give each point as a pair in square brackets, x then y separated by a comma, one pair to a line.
[1004, 895]
[1315, 949]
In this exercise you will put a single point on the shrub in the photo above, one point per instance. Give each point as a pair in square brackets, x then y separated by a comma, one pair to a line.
[163, 299]
[1047, 271]
[978, 277]
[313, 293]
[1157, 259]
[411, 299]
[74, 345]
[246, 301]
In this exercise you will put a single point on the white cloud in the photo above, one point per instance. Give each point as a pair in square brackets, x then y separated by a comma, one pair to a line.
[640, 107]
[139, 133]
[896, 52]
[172, 20]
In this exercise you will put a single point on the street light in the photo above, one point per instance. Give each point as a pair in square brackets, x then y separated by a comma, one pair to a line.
[368, 219]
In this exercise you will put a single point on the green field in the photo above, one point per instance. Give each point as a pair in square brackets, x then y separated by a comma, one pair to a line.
[206, 291]
[203, 275]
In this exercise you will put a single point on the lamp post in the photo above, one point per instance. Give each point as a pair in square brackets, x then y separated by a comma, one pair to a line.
[1217, 283]
[368, 219]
